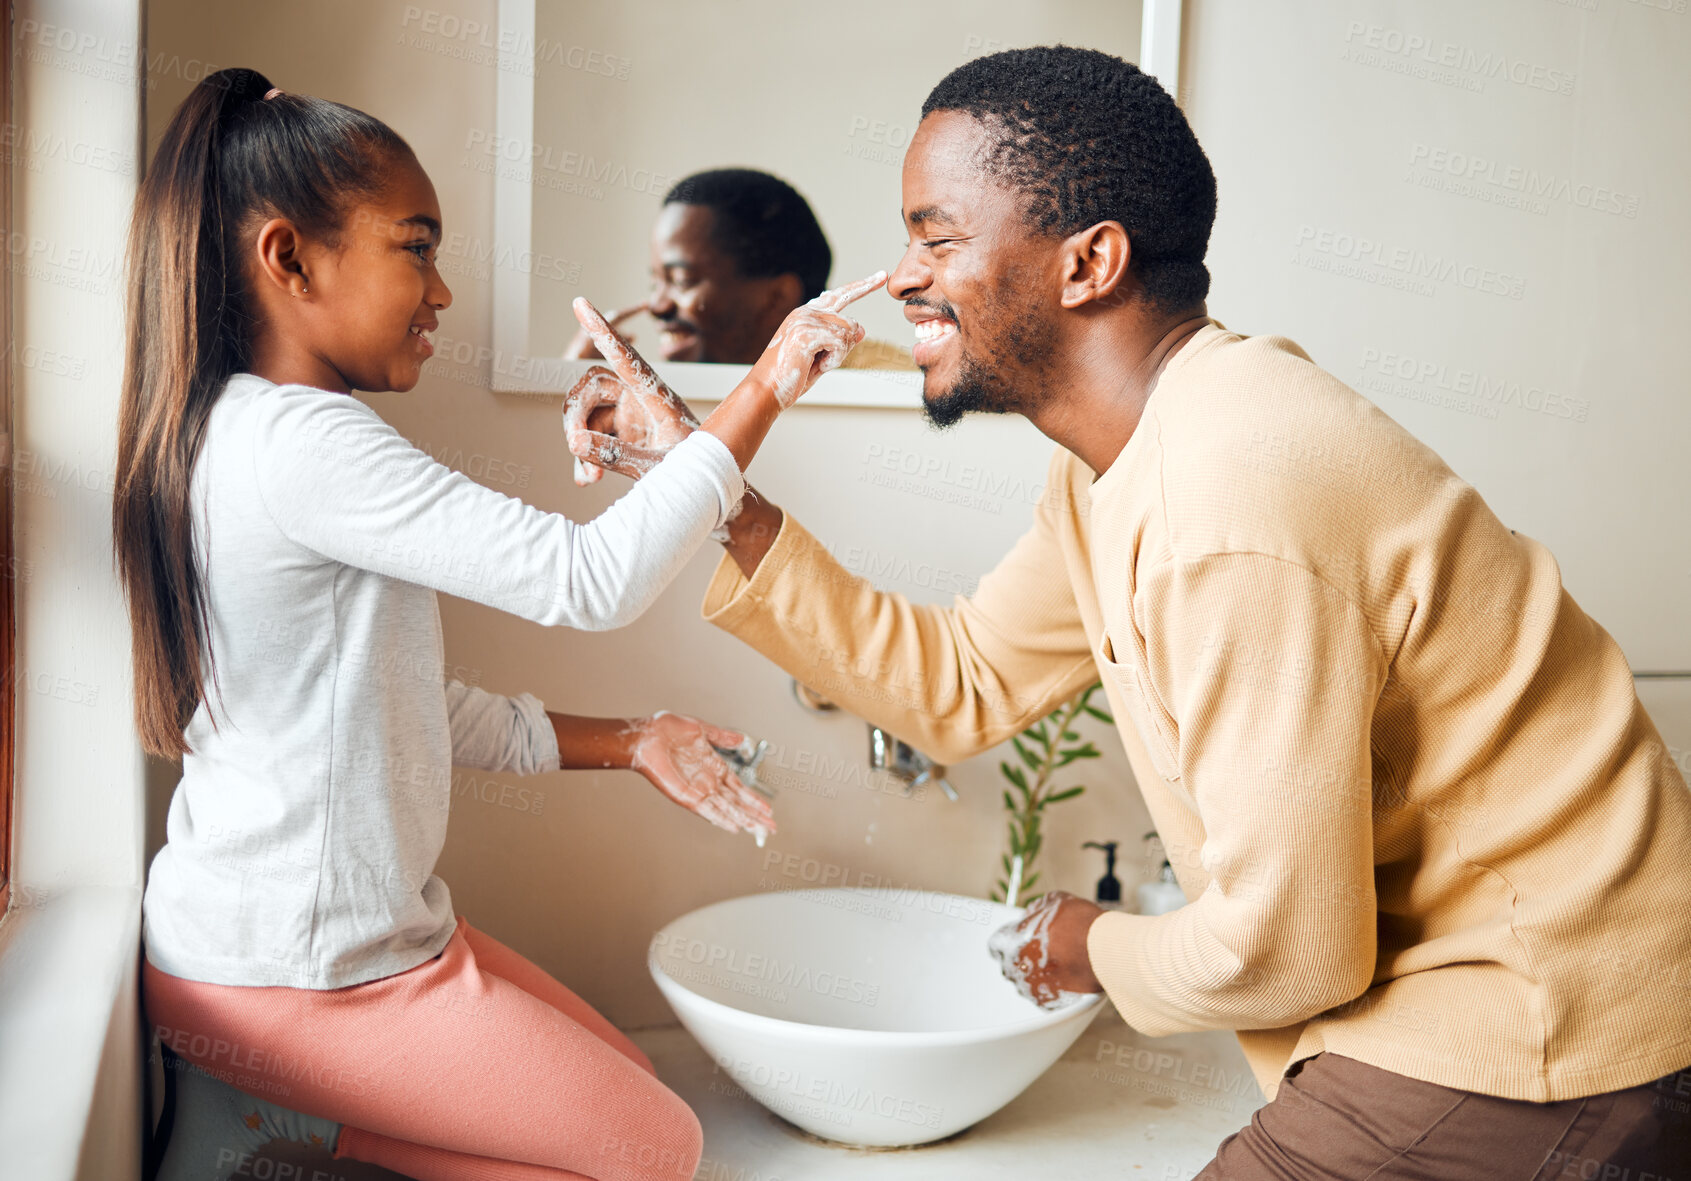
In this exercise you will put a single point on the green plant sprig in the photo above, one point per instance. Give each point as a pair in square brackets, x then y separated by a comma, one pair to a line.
[1050, 746]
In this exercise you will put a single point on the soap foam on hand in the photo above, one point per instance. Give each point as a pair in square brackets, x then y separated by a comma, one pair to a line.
[743, 760]
[1063, 1000]
[806, 345]
[1007, 945]
[692, 763]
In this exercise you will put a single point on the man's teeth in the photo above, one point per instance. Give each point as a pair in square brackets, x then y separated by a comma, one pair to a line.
[419, 330]
[934, 329]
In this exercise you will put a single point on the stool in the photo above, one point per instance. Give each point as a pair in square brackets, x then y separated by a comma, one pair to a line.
[209, 1128]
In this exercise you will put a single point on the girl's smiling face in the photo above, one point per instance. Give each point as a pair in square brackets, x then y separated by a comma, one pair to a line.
[372, 297]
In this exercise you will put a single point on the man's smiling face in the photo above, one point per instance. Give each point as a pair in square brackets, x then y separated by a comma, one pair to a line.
[978, 283]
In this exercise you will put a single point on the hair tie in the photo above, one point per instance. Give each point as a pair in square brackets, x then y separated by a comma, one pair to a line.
[272, 93]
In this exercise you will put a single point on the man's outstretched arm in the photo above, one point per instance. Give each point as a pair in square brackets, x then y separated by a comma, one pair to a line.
[951, 681]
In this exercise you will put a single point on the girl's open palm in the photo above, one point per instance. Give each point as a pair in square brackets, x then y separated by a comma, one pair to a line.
[676, 753]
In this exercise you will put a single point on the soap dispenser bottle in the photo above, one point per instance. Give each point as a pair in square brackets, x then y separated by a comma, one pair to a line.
[1164, 894]
[1109, 886]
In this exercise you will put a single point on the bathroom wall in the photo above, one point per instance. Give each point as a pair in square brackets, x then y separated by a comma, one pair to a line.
[1474, 213]
[577, 870]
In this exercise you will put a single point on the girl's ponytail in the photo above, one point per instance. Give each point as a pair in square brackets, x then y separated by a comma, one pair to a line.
[229, 160]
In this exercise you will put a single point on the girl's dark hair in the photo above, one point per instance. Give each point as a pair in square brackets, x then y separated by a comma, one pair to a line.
[229, 161]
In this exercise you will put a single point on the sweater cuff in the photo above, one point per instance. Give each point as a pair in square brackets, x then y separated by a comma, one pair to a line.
[731, 600]
[543, 739]
[1115, 946]
[712, 455]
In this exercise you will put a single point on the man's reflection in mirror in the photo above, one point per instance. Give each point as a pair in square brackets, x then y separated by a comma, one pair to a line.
[733, 251]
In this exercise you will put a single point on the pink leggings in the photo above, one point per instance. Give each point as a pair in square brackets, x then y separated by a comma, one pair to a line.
[473, 1066]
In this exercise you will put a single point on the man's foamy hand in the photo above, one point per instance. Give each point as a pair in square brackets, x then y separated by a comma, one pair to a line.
[1043, 953]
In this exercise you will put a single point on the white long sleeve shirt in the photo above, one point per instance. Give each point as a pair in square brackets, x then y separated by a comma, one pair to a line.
[302, 838]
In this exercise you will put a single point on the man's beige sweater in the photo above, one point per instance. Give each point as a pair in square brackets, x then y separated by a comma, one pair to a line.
[1405, 781]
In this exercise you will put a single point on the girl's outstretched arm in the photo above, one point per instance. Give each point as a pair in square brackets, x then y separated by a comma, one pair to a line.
[492, 732]
[342, 484]
[676, 754]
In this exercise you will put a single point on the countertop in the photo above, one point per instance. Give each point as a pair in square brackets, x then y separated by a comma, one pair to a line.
[1115, 1105]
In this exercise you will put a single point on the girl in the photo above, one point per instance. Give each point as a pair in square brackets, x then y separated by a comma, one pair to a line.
[281, 548]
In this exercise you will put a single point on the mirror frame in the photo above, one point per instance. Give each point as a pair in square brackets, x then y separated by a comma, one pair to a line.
[514, 371]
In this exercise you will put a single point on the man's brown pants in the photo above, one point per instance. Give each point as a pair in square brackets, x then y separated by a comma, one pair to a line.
[1337, 1119]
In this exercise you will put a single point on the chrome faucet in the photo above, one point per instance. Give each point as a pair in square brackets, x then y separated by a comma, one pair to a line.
[743, 761]
[905, 762]
[886, 753]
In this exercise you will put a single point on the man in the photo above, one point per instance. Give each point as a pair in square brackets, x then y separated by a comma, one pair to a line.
[733, 251]
[1436, 852]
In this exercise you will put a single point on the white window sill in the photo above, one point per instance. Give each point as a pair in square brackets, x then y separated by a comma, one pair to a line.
[68, 987]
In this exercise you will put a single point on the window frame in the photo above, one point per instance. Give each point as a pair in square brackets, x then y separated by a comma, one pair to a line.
[8, 564]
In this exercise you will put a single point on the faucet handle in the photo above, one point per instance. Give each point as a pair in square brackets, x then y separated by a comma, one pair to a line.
[936, 774]
[892, 754]
[810, 699]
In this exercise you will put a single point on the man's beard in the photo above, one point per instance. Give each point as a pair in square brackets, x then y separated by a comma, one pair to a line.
[977, 390]
[986, 388]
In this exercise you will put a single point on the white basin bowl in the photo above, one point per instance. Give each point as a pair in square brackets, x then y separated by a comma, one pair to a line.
[871, 1017]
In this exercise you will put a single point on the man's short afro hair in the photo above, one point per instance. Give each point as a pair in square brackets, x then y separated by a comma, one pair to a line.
[1088, 137]
[762, 223]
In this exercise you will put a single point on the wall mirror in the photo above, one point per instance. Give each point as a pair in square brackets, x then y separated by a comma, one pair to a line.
[601, 108]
